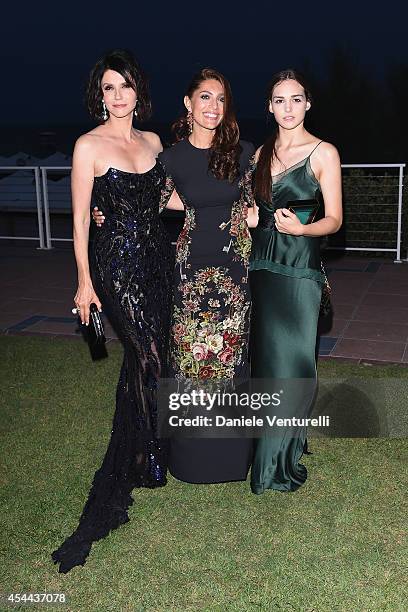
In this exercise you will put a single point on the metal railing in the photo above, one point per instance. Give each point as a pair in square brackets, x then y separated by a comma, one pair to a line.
[23, 200]
[44, 181]
[373, 206]
[373, 209]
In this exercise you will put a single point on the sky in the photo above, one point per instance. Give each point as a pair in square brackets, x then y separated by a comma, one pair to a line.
[48, 49]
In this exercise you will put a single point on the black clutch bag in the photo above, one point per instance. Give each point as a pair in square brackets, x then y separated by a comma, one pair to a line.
[96, 331]
[305, 210]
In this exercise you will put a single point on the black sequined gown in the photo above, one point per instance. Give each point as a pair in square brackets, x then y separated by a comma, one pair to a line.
[132, 273]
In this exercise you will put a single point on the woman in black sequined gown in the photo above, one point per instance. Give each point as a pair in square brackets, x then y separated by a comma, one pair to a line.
[131, 268]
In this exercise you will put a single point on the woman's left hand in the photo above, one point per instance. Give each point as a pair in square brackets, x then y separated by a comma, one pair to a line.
[286, 222]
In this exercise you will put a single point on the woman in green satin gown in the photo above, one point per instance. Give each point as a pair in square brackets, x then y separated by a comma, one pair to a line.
[285, 268]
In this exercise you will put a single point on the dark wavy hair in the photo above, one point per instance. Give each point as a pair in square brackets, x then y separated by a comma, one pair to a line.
[122, 61]
[263, 179]
[225, 148]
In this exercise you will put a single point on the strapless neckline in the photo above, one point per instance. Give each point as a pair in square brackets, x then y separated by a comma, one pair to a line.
[112, 169]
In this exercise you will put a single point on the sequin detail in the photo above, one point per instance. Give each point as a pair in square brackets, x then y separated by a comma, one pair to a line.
[132, 273]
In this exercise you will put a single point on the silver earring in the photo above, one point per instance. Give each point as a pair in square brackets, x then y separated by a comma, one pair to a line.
[136, 109]
[105, 112]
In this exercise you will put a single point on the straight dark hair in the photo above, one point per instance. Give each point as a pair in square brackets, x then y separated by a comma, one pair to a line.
[263, 178]
[122, 61]
[225, 148]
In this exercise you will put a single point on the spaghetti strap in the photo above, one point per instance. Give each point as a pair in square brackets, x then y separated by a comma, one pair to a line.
[320, 142]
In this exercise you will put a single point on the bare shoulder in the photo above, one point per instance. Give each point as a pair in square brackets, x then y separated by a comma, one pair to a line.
[326, 152]
[154, 140]
[151, 136]
[88, 142]
[85, 152]
[90, 145]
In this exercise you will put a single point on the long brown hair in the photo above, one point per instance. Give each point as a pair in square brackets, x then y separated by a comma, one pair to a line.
[263, 178]
[225, 148]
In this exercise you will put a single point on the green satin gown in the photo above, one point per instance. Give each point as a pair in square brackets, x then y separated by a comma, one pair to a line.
[286, 284]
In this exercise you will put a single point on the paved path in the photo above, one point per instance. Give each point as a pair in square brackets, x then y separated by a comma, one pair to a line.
[370, 300]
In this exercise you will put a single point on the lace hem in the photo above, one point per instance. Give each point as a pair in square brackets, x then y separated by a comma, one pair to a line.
[105, 510]
[134, 458]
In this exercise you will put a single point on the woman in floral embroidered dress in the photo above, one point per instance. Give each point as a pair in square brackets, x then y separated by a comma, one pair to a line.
[212, 301]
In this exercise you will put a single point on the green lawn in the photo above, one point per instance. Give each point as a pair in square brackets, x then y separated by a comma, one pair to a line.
[336, 544]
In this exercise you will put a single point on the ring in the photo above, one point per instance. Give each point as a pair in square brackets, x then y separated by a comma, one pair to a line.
[75, 310]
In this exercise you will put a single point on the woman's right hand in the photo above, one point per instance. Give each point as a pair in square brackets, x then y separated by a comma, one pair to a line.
[98, 216]
[84, 297]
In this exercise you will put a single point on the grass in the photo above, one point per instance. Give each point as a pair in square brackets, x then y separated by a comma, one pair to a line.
[337, 544]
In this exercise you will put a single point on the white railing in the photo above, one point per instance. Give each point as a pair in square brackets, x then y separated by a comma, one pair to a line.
[56, 198]
[379, 209]
[64, 204]
[15, 196]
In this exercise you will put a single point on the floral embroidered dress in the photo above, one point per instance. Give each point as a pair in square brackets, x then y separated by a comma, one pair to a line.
[210, 326]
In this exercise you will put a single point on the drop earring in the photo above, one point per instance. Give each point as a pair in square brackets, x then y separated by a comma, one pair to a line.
[105, 112]
[190, 122]
[136, 109]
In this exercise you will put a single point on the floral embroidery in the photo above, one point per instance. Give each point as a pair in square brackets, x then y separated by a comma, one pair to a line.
[246, 182]
[239, 230]
[238, 227]
[166, 193]
[209, 334]
[325, 302]
[184, 239]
